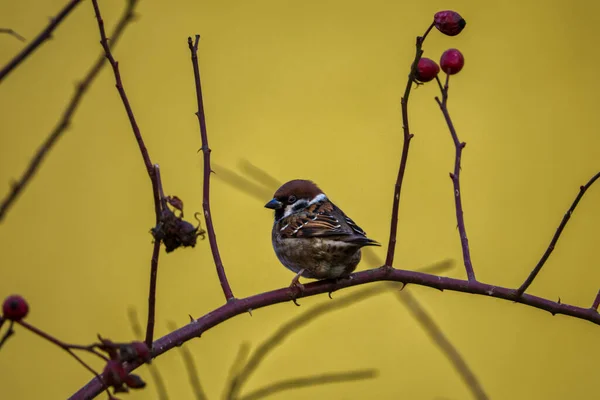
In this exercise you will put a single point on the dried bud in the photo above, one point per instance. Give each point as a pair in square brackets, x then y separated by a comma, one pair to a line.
[175, 202]
[135, 351]
[449, 22]
[452, 61]
[15, 308]
[114, 374]
[175, 232]
[427, 70]
[134, 382]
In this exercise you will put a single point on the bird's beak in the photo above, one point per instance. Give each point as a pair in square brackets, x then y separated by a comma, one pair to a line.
[274, 204]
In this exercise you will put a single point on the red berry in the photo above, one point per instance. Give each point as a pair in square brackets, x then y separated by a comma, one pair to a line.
[15, 308]
[449, 22]
[427, 70]
[452, 61]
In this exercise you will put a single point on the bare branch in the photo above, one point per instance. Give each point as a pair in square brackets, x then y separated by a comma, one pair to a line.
[193, 46]
[556, 236]
[39, 39]
[455, 176]
[65, 121]
[389, 261]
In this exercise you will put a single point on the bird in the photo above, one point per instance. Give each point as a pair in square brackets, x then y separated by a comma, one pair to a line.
[311, 236]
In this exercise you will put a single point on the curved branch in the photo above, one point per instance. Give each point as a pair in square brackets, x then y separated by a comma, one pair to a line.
[241, 306]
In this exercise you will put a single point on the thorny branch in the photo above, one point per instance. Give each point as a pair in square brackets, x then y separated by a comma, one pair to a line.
[556, 236]
[39, 39]
[455, 176]
[193, 46]
[389, 261]
[65, 121]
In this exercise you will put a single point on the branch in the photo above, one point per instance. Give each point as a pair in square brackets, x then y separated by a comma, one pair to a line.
[11, 32]
[556, 236]
[154, 263]
[41, 38]
[81, 88]
[389, 261]
[459, 146]
[207, 170]
[296, 383]
[241, 306]
[153, 171]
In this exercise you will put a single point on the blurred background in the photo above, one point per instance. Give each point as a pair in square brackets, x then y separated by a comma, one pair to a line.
[310, 90]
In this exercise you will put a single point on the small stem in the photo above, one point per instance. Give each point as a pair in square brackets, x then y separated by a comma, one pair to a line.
[389, 261]
[66, 347]
[193, 46]
[596, 302]
[455, 176]
[8, 333]
[556, 236]
[154, 263]
[12, 33]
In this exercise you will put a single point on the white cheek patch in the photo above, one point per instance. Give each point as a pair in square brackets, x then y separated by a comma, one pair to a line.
[318, 198]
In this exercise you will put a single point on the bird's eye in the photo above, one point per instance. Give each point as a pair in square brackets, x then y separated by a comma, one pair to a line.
[292, 199]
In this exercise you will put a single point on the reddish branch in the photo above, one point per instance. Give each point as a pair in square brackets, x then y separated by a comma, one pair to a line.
[241, 306]
[65, 121]
[389, 261]
[556, 236]
[150, 168]
[455, 176]
[41, 38]
[207, 171]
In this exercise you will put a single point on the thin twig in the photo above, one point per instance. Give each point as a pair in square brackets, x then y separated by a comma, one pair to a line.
[389, 261]
[155, 375]
[68, 348]
[154, 264]
[39, 39]
[297, 383]
[441, 341]
[151, 169]
[193, 46]
[596, 302]
[556, 236]
[65, 121]
[8, 333]
[190, 367]
[12, 33]
[455, 176]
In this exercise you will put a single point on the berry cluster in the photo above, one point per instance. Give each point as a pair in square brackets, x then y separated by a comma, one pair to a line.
[452, 61]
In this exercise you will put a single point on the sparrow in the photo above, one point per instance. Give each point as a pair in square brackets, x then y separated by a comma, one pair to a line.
[311, 236]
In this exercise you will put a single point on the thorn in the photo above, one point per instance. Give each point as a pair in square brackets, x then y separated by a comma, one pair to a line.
[451, 176]
[403, 286]
[463, 145]
[296, 302]
[329, 294]
[191, 318]
[559, 300]
[250, 311]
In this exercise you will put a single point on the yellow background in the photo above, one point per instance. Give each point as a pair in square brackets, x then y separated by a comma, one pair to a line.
[308, 89]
